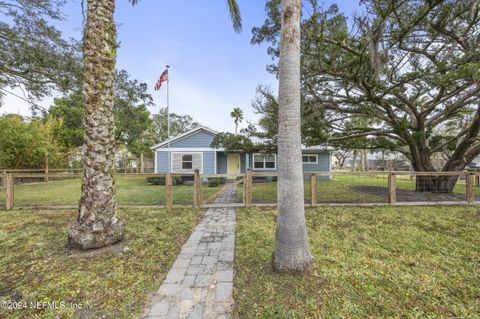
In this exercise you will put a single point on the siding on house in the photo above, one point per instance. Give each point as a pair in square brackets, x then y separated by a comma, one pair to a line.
[243, 163]
[193, 142]
[198, 139]
[221, 163]
[209, 163]
[197, 162]
[163, 162]
[323, 165]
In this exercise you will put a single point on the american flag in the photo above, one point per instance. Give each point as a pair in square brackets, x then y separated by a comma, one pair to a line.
[163, 78]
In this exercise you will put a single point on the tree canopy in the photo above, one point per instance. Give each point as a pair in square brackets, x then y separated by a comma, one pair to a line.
[33, 54]
[178, 124]
[25, 143]
[408, 69]
[132, 119]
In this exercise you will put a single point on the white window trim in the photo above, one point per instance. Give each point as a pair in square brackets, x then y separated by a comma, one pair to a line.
[264, 168]
[184, 161]
[186, 153]
[310, 163]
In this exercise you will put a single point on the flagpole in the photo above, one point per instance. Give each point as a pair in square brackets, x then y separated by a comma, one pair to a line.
[168, 122]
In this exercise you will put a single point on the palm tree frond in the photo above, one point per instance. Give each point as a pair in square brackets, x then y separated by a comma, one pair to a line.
[235, 15]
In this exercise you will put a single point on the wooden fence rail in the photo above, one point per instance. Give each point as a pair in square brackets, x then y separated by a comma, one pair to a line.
[471, 182]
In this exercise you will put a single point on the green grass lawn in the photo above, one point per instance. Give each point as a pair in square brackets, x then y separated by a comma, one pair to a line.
[130, 191]
[34, 265]
[383, 262]
[344, 189]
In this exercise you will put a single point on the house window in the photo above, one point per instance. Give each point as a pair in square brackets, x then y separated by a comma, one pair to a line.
[187, 161]
[266, 162]
[310, 159]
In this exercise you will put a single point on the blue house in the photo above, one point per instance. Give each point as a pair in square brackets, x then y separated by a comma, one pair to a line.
[191, 150]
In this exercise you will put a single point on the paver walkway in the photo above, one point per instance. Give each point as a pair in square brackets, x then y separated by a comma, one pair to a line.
[200, 283]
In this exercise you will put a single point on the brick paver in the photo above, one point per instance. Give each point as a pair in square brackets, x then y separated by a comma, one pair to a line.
[200, 283]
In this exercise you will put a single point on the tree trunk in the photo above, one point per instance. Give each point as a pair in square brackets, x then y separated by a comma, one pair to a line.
[435, 184]
[354, 161]
[421, 162]
[365, 160]
[97, 224]
[292, 249]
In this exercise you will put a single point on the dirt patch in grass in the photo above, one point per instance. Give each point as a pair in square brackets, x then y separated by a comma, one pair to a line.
[371, 262]
[111, 283]
[407, 195]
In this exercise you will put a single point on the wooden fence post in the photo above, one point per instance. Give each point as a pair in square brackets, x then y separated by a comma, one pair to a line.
[470, 188]
[10, 192]
[4, 179]
[392, 188]
[197, 192]
[247, 181]
[46, 167]
[168, 190]
[313, 190]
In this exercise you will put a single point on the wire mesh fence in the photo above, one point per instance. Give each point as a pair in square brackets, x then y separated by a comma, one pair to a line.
[445, 187]
[324, 188]
[63, 188]
[264, 189]
[352, 188]
[34, 189]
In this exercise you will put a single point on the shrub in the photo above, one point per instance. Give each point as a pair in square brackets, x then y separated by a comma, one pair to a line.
[156, 180]
[160, 180]
[215, 181]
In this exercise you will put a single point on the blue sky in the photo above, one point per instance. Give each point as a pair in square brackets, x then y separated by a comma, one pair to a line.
[213, 69]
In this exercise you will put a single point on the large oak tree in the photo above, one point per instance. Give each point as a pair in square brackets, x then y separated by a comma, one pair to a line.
[413, 67]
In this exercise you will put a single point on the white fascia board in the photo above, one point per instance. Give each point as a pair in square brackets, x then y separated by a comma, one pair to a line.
[190, 149]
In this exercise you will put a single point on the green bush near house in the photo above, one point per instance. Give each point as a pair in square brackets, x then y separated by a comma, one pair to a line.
[216, 181]
[160, 180]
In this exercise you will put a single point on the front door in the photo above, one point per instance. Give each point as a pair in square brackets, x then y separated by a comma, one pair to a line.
[233, 161]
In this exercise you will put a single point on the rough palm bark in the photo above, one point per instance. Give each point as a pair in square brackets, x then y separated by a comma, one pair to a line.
[292, 249]
[97, 224]
[354, 160]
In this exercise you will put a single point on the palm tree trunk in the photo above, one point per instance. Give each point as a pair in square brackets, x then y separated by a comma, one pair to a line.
[354, 161]
[364, 160]
[97, 224]
[292, 249]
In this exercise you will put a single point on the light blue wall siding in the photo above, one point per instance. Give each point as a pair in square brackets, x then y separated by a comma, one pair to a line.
[221, 163]
[163, 162]
[201, 139]
[209, 163]
[323, 165]
[243, 162]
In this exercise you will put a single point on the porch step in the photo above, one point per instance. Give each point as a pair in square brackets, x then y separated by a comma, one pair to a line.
[231, 180]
